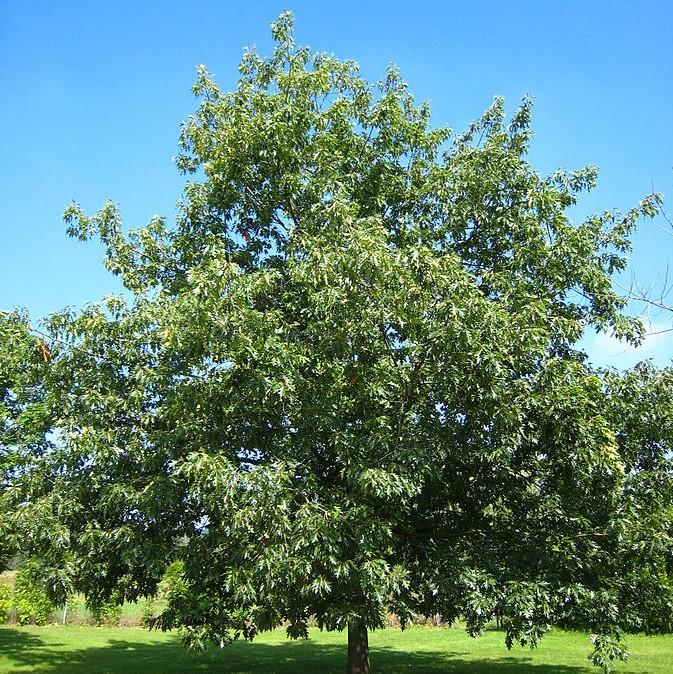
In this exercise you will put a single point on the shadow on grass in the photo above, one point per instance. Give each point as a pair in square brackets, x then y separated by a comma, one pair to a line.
[26, 651]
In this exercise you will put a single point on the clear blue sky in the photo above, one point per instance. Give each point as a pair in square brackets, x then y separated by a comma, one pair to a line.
[92, 94]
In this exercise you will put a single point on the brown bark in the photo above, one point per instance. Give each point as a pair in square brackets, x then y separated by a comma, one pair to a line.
[358, 649]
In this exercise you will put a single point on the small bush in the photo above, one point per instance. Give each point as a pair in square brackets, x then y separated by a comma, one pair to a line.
[172, 581]
[5, 603]
[148, 612]
[106, 613]
[31, 602]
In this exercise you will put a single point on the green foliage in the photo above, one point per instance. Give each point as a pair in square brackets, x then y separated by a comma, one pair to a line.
[346, 382]
[22, 418]
[5, 602]
[106, 613]
[606, 651]
[173, 580]
[32, 604]
[148, 613]
[169, 589]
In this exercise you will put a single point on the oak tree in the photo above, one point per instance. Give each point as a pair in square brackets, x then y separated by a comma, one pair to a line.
[346, 382]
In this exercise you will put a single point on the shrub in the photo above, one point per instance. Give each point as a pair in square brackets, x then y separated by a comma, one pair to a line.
[106, 613]
[148, 612]
[32, 603]
[5, 603]
[172, 581]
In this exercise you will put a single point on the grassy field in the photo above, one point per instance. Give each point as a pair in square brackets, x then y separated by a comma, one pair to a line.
[93, 650]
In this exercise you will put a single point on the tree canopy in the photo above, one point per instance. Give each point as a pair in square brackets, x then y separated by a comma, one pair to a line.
[346, 381]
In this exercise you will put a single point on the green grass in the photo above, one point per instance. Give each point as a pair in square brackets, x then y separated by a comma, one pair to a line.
[94, 650]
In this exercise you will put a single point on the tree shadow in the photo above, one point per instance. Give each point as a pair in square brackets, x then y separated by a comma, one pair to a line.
[28, 652]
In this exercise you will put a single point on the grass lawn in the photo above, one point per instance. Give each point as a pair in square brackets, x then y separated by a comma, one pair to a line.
[92, 650]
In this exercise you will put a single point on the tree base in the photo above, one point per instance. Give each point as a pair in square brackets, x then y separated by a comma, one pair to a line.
[358, 649]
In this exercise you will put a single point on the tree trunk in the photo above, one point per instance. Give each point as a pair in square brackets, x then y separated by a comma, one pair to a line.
[358, 649]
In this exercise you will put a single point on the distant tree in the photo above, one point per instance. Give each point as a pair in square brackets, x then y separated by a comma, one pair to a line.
[347, 380]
